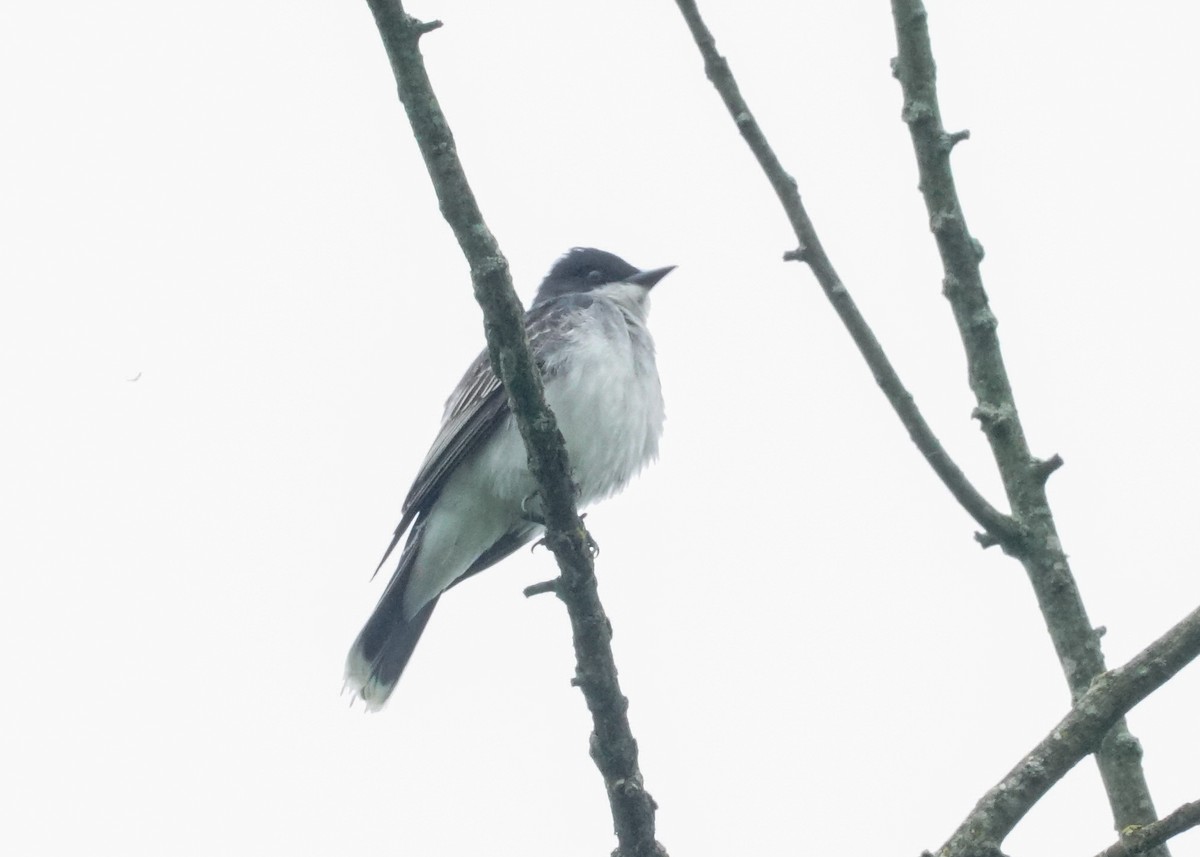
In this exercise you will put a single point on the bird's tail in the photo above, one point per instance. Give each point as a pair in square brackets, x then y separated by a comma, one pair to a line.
[385, 644]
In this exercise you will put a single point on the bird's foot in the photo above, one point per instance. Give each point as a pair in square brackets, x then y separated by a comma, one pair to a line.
[592, 545]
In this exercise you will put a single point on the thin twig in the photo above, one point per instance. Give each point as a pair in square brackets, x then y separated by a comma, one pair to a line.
[1024, 477]
[1000, 527]
[541, 588]
[1095, 711]
[1138, 840]
[612, 744]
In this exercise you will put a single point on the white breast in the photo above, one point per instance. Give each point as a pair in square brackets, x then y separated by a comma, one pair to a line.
[605, 393]
[608, 401]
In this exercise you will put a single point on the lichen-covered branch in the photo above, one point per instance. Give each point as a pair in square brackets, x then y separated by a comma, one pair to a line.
[1024, 477]
[1137, 840]
[998, 527]
[612, 744]
[1105, 702]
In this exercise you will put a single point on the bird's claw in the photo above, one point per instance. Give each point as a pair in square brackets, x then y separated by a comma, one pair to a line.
[533, 516]
[593, 546]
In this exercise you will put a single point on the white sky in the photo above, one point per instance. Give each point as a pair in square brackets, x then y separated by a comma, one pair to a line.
[225, 198]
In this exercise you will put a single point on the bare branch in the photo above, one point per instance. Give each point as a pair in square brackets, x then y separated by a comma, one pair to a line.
[1024, 477]
[1138, 840]
[1076, 735]
[612, 744]
[999, 526]
[541, 588]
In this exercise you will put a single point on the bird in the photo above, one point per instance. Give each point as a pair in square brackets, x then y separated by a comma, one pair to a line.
[473, 501]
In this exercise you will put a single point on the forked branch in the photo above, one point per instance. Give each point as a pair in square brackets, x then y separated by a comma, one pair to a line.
[998, 527]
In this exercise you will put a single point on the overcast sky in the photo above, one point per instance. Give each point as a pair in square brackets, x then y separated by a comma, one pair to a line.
[223, 201]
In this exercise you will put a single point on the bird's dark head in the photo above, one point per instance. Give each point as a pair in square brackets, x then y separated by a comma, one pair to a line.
[585, 269]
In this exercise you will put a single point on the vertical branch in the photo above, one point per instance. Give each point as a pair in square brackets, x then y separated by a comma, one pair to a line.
[1024, 477]
[612, 743]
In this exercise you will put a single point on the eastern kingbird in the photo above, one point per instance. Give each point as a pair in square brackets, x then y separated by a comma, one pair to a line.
[467, 508]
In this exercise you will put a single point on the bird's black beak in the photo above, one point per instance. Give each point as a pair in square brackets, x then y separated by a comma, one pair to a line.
[647, 279]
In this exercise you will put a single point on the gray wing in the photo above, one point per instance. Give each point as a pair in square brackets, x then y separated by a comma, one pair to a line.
[473, 412]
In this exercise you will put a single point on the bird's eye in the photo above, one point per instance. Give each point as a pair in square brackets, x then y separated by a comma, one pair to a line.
[595, 278]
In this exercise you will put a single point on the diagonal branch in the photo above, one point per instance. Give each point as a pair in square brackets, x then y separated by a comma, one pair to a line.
[1024, 477]
[1139, 840]
[1110, 696]
[998, 527]
[612, 744]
